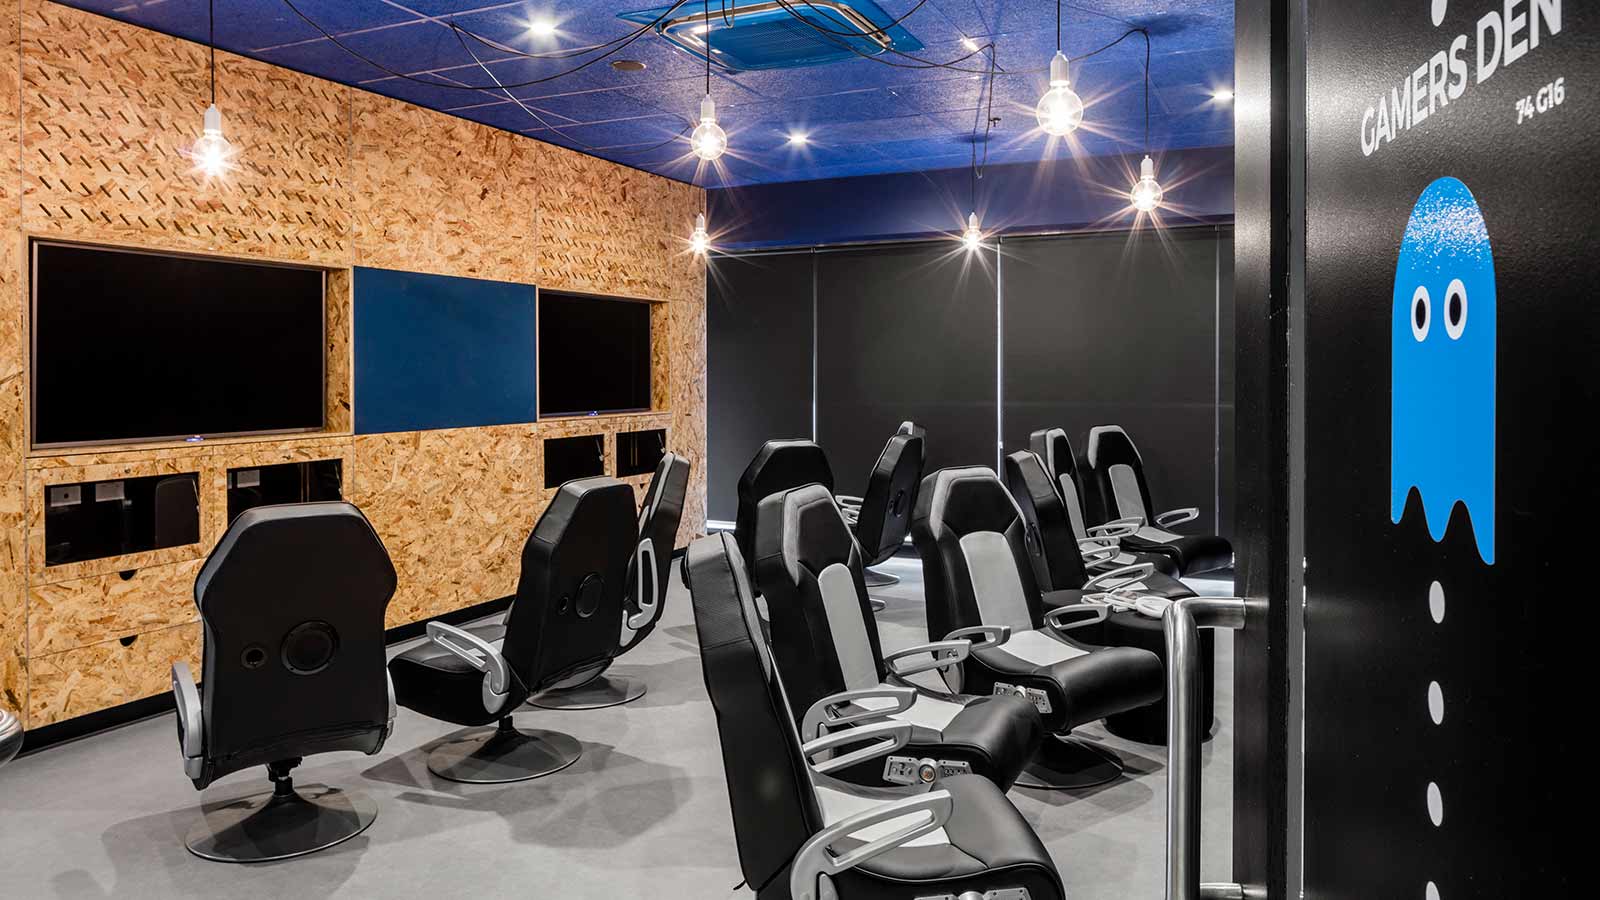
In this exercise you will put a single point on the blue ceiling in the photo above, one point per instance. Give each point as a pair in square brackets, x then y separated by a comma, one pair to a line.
[862, 116]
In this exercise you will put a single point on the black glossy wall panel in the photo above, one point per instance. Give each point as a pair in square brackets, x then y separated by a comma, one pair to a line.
[1120, 329]
[758, 359]
[905, 332]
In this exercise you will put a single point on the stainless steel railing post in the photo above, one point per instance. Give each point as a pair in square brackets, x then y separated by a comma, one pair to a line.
[1181, 624]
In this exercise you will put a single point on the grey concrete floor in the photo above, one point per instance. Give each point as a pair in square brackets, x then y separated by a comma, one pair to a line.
[643, 813]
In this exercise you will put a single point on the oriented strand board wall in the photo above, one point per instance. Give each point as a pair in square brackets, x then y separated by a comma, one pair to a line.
[93, 116]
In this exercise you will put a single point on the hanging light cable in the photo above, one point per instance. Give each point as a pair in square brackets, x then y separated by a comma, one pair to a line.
[212, 154]
[708, 139]
[1147, 194]
[1060, 110]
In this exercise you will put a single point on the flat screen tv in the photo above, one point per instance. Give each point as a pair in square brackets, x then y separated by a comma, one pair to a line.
[594, 355]
[135, 346]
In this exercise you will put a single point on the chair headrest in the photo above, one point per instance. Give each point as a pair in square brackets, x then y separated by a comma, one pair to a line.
[269, 551]
[961, 501]
[1109, 445]
[804, 528]
[783, 464]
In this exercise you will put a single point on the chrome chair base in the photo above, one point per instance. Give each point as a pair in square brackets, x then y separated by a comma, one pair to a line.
[599, 693]
[876, 578]
[503, 755]
[1068, 764]
[280, 824]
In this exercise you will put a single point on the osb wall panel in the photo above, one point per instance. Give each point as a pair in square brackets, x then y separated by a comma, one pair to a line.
[107, 111]
[63, 685]
[72, 614]
[338, 353]
[459, 201]
[13, 584]
[689, 407]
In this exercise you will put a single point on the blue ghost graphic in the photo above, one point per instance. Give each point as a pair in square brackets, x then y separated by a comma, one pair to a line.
[1442, 345]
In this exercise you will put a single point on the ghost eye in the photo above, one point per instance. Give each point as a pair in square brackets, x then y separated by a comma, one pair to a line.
[1455, 309]
[1421, 313]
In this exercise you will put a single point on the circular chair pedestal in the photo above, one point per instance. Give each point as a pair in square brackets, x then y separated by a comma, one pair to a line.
[1066, 764]
[504, 754]
[877, 579]
[280, 824]
[607, 690]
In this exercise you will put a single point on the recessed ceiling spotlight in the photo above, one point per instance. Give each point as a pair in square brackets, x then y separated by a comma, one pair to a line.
[970, 44]
[798, 138]
[541, 28]
[627, 65]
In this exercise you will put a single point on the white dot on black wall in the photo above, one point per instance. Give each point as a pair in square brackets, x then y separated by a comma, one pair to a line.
[1436, 601]
[1431, 892]
[1436, 702]
[1435, 804]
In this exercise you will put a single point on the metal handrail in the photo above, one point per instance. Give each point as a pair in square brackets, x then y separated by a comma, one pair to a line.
[1181, 624]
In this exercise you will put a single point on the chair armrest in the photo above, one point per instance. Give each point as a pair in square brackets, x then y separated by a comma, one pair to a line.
[823, 713]
[1119, 578]
[943, 653]
[993, 636]
[479, 654]
[1177, 517]
[885, 738]
[848, 500]
[1097, 613]
[816, 863]
[1098, 553]
[645, 602]
[388, 728]
[1118, 528]
[191, 719]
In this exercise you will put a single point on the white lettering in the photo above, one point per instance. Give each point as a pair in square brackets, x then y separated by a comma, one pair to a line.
[1368, 145]
[1385, 125]
[1547, 13]
[1458, 67]
[1438, 67]
[1419, 96]
[1515, 22]
[1488, 64]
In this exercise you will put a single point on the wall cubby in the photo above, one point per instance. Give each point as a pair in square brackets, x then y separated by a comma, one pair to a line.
[96, 519]
[573, 457]
[639, 452]
[294, 482]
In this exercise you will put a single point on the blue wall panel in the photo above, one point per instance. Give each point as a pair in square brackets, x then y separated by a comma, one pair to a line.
[433, 351]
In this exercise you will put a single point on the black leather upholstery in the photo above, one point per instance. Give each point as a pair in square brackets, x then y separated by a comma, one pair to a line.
[659, 517]
[977, 570]
[775, 795]
[1051, 541]
[1110, 447]
[292, 602]
[827, 644]
[565, 618]
[891, 494]
[777, 466]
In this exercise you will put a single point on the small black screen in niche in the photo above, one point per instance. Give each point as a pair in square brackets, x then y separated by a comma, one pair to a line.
[594, 354]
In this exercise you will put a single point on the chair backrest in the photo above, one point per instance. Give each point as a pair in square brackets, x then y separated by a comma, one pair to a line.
[775, 808]
[777, 466]
[912, 429]
[1116, 475]
[659, 517]
[810, 571]
[292, 604]
[1050, 538]
[975, 561]
[568, 609]
[891, 494]
[1055, 450]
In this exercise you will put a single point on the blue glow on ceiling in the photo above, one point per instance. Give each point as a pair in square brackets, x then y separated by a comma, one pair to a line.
[860, 116]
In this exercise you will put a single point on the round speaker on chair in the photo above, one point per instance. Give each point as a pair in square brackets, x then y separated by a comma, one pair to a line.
[253, 657]
[309, 647]
[589, 591]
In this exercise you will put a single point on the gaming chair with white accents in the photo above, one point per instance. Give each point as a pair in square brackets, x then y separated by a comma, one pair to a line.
[1101, 543]
[881, 518]
[779, 465]
[805, 835]
[825, 640]
[1117, 484]
[977, 571]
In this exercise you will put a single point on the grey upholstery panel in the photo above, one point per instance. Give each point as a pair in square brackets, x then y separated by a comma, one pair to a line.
[1069, 495]
[849, 630]
[1126, 485]
[995, 584]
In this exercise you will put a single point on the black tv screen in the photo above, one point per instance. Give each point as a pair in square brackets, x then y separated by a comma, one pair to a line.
[594, 355]
[132, 346]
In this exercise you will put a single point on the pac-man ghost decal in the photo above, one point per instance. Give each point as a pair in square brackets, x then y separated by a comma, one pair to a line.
[1442, 345]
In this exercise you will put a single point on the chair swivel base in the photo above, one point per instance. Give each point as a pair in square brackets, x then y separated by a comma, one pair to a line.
[1067, 764]
[279, 824]
[599, 693]
[876, 578]
[503, 755]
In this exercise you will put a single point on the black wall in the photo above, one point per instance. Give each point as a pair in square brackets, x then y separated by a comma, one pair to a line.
[1089, 329]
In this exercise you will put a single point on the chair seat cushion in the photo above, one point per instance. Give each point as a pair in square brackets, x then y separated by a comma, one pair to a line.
[986, 845]
[1193, 554]
[1082, 685]
[435, 682]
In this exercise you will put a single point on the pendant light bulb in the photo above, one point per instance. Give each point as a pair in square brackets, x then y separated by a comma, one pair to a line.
[1060, 110]
[973, 235]
[212, 154]
[1146, 194]
[708, 139]
[699, 240]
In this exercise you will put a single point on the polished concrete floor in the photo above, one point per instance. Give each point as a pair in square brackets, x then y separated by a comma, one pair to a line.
[644, 813]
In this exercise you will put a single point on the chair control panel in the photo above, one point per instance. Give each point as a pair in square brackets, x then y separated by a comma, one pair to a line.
[911, 770]
[1039, 699]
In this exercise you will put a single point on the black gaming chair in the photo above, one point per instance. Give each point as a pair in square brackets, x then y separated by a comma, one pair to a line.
[881, 518]
[804, 835]
[10, 736]
[562, 627]
[1102, 550]
[978, 571]
[1132, 620]
[778, 466]
[291, 603]
[1117, 483]
[826, 642]
[648, 575]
